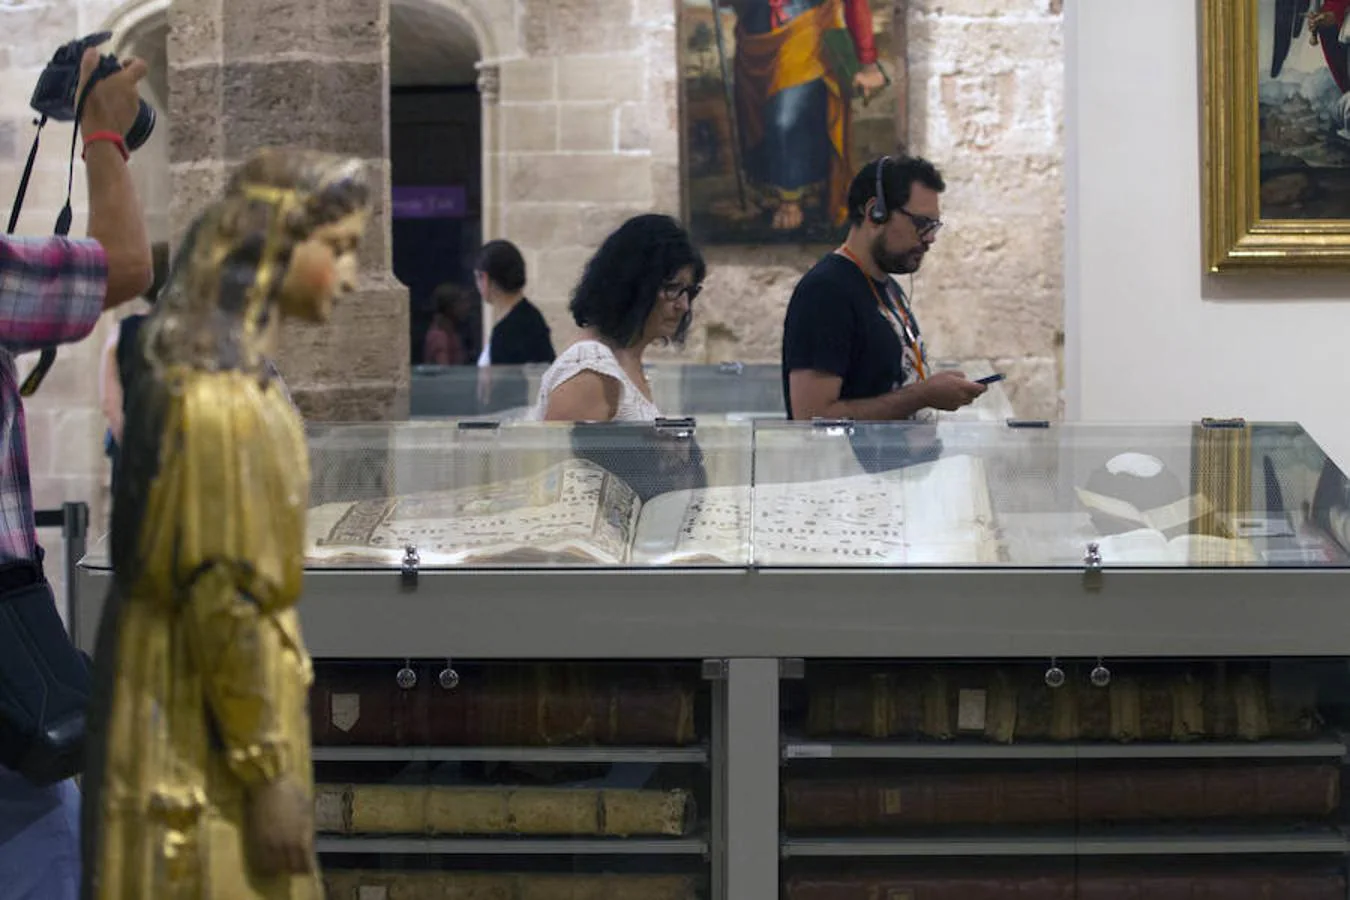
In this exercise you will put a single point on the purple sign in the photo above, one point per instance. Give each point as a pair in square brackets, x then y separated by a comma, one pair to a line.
[430, 201]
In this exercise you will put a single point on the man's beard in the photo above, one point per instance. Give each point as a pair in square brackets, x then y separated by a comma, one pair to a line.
[896, 263]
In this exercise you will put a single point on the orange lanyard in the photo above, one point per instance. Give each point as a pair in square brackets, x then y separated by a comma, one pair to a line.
[897, 312]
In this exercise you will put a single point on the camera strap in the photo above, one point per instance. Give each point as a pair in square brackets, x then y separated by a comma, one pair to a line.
[47, 356]
[27, 173]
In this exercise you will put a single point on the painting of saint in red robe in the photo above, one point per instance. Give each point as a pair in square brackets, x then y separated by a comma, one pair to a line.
[783, 100]
[1304, 51]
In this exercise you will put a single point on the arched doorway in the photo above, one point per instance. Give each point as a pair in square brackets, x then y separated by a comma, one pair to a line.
[141, 30]
[436, 170]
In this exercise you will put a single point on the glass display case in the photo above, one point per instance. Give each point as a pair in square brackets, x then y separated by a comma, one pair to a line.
[748, 660]
[732, 391]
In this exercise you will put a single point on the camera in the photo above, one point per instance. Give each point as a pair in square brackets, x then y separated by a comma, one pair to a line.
[54, 96]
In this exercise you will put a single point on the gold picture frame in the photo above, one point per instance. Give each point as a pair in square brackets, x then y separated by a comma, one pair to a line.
[1265, 204]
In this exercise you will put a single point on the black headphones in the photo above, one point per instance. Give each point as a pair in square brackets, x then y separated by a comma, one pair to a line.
[880, 213]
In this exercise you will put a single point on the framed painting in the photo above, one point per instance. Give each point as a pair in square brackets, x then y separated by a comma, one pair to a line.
[1276, 133]
[781, 102]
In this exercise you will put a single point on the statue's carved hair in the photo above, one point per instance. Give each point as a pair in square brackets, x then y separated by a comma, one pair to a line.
[234, 256]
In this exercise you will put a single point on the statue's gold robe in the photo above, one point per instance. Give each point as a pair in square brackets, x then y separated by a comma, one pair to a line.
[202, 646]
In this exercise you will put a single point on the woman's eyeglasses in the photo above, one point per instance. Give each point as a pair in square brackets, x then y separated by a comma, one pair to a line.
[672, 290]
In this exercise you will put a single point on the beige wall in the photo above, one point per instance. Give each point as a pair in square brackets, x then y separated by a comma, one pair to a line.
[1152, 337]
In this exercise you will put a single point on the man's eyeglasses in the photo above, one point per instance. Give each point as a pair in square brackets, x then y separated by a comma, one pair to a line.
[925, 226]
[672, 290]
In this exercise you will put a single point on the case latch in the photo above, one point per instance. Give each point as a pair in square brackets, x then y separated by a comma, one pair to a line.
[731, 367]
[676, 427]
[1028, 423]
[1235, 422]
[412, 561]
[1092, 567]
[479, 425]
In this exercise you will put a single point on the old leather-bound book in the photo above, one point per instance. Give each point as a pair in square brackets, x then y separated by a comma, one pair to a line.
[1063, 797]
[1201, 886]
[364, 705]
[385, 885]
[504, 705]
[1012, 702]
[432, 810]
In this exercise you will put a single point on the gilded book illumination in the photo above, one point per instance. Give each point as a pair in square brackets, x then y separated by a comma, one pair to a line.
[199, 781]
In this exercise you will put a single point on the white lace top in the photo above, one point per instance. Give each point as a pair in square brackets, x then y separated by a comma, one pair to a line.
[594, 356]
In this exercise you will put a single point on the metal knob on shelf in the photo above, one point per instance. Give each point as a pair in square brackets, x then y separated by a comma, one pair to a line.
[1100, 676]
[449, 678]
[1054, 676]
[406, 677]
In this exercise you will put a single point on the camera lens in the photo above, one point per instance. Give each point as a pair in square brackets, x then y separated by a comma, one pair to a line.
[142, 128]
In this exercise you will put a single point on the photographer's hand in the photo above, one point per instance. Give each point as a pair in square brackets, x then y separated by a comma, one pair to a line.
[115, 217]
[113, 102]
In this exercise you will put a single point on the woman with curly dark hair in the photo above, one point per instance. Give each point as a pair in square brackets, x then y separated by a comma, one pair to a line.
[637, 289]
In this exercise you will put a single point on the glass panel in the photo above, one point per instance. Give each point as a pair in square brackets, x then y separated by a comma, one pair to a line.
[952, 494]
[607, 495]
[960, 493]
[465, 392]
[497, 779]
[730, 391]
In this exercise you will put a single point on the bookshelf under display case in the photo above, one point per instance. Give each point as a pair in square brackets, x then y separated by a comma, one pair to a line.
[826, 661]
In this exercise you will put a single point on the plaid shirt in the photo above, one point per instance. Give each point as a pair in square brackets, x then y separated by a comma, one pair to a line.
[51, 292]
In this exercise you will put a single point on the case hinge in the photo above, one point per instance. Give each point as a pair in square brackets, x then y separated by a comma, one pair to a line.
[676, 427]
[833, 426]
[1215, 422]
[715, 670]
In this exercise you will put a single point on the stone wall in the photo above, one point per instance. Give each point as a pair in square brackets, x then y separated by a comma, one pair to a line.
[588, 134]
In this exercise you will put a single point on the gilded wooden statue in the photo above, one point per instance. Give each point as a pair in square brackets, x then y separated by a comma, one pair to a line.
[199, 781]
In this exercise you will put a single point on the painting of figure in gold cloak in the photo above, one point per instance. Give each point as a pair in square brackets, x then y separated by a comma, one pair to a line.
[1304, 53]
[783, 101]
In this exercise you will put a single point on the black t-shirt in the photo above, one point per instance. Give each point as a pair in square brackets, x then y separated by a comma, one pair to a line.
[834, 325]
[521, 337]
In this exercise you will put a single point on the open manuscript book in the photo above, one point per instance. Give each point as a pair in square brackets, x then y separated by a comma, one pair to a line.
[1149, 544]
[576, 511]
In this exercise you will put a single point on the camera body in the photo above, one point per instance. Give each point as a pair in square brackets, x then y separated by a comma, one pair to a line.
[54, 95]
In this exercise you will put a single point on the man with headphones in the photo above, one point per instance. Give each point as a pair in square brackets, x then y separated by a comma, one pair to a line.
[852, 348]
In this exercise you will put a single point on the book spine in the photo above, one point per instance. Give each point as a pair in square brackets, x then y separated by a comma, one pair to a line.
[386, 809]
[1051, 798]
[1142, 886]
[510, 706]
[1009, 703]
[393, 885]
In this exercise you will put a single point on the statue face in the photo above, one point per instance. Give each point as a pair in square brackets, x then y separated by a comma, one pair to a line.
[322, 269]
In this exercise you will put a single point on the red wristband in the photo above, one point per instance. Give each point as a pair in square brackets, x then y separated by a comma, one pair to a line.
[111, 137]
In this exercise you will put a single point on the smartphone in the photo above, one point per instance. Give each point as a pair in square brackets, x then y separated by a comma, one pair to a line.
[990, 379]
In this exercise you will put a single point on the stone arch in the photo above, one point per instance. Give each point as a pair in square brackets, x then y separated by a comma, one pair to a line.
[141, 28]
[494, 38]
[469, 15]
[133, 21]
